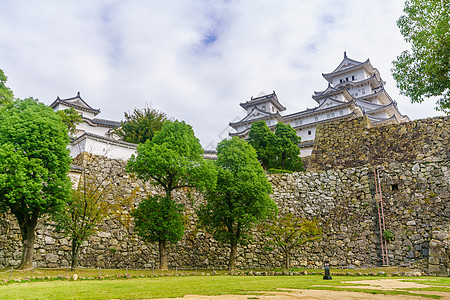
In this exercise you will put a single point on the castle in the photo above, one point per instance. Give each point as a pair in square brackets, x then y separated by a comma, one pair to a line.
[354, 89]
[94, 135]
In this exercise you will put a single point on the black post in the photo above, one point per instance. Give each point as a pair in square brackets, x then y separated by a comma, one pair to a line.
[327, 276]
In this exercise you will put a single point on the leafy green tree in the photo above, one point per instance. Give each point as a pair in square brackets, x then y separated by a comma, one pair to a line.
[424, 71]
[172, 160]
[141, 125]
[6, 95]
[159, 219]
[277, 150]
[284, 151]
[94, 198]
[288, 232]
[34, 164]
[71, 118]
[241, 197]
[260, 137]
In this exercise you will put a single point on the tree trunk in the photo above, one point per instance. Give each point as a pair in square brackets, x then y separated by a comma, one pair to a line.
[233, 255]
[27, 229]
[163, 265]
[75, 253]
[286, 259]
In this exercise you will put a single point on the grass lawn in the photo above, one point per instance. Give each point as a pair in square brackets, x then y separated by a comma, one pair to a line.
[159, 287]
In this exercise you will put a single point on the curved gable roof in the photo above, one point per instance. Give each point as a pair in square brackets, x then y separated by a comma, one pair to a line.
[76, 102]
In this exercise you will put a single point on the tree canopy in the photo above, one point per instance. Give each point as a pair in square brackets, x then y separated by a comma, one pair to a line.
[6, 95]
[159, 219]
[241, 197]
[34, 163]
[260, 137]
[141, 125]
[277, 150]
[284, 151]
[94, 197]
[287, 232]
[424, 71]
[71, 118]
[172, 160]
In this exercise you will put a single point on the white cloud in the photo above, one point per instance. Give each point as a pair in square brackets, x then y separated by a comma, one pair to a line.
[195, 60]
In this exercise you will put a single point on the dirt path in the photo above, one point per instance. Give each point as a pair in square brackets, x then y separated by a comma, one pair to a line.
[382, 284]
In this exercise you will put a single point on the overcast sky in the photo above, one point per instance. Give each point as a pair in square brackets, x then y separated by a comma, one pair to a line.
[196, 60]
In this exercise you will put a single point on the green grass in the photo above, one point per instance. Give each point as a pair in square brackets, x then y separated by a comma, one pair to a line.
[177, 286]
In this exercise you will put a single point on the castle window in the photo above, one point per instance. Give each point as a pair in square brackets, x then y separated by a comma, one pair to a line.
[273, 109]
[316, 118]
[332, 114]
[346, 79]
[300, 122]
[341, 112]
[356, 94]
[328, 116]
[309, 132]
[341, 81]
[353, 77]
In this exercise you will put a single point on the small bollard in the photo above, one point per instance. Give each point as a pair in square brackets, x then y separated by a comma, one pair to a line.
[326, 266]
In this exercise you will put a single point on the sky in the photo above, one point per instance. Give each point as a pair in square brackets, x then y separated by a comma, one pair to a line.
[195, 60]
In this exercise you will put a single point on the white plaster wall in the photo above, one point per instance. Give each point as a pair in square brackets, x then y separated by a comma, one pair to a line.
[306, 151]
[86, 127]
[102, 148]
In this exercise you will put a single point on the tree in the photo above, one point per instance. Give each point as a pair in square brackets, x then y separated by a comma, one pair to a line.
[424, 71]
[34, 164]
[71, 118]
[241, 197]
[141, 125]
[159, 219]
[6, 95]
[260, 137]
[93, 199]
[288, 232]
[172, 160]
[284, 151]
[277, 150]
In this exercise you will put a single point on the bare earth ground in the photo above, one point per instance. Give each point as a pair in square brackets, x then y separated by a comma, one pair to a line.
[382, 284]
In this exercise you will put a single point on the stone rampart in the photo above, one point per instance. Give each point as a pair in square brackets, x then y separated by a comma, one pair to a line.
[354, 143]
[416, 197]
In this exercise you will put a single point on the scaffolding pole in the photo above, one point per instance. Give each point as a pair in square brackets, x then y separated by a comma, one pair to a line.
[379, 200]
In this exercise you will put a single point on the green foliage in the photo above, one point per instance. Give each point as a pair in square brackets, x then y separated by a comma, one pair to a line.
[159, 218]
[388, 235]
[71, 118]
[241, 197]
[288, 232]
[277, 150]
[94, 198]
[260, 137]
[284, 151]
[141, 125]
[6, 95]
[424, 71]
[173, 159]
[34, 163]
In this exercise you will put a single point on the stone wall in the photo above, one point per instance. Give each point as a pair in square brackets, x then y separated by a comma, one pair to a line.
[416, 205]
[416, 197]
[354, 143]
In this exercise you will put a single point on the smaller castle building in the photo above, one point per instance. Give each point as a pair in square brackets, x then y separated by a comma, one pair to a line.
[354, 89]
[94, 135]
